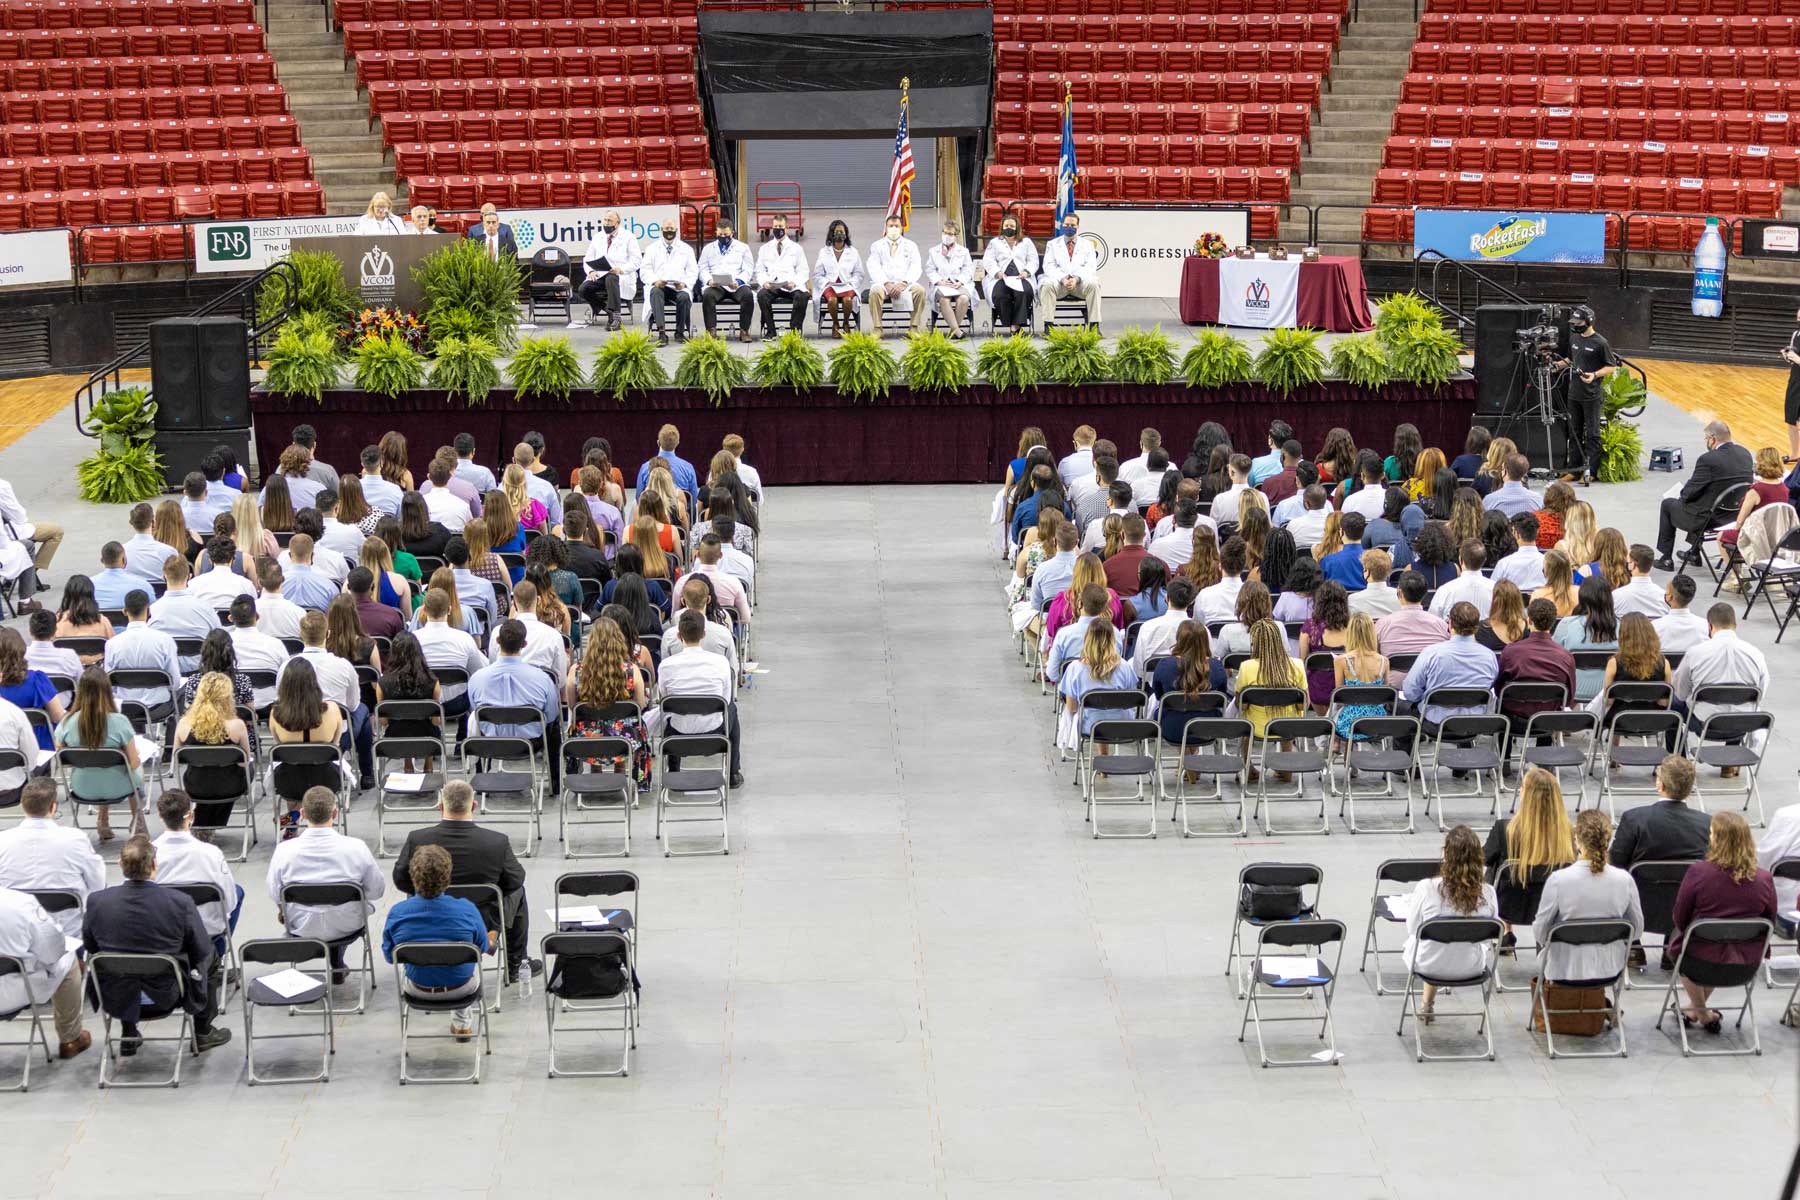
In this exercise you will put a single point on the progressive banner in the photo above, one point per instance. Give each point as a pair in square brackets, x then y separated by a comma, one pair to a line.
[1141, 250]
[1510, 236]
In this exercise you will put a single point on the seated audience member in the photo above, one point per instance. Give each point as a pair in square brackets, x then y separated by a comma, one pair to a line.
[138, 647]
[1559, 584]
[472, 590]
[183, 858]
[587, 558]
[326, 561]
[467, 469]
[1151, 600]
[1724, 658]
[1780, 840]
[43, 654]
[1296, 600]
[1434, 554]
[1280, 484]
[1344, 566]
[477, 856]
[1098, 667]
[1666, 829]
[1270, 666]
[390, 587]
[442, 504]
[1506, 620]
[1524, 566]
[1253, 605]
[1592, 626]
[1067, 643]
[1459, 662]
[383, 494]
[1643, 594]
[144, 553]
[1191, 670]
[1724, 465]
[1043, 483]
[730, 593]
[1536, 840]
[1458, 890]
[1279, 554]
[42, 854]
[1268, 464]
[1146, 489]
[1225, 504]
[1294, 503]
[178, 612]
[141, 917]
[217, 587]
[1399, 466]
[334, 535]
[1386, 531]
[48, 970]
[1680, 629]
[1588, 889]
[1067, 604]
[512, 681]
[114, 580]
[303, 584]
[1325, 631]
[696, 596]
[1174, 488]
[428, 915]
[1467, 465]
[1377, 597]
[419, 534]
[696, 672]
[1512, 497]
[1079, 461]
[303, 713]
[1336, 461]
[1498, 538]
[544, 648]
[1559, 497]
[377, 619]
[1307, 528]
[1726, 884]
[276, 615]
[1177, 545]
[1470, 584]
[1639, 660]
[446, 644]
[1769, 489]
[1218, 601]
[1122, 567]
[171, 529]
[1536, 657]
[1118, 503]
[23, 687]
[1366, 492]
[320, 854]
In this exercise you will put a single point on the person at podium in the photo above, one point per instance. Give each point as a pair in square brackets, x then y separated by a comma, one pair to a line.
[1010, 267]
[381, 218]
[496, 235]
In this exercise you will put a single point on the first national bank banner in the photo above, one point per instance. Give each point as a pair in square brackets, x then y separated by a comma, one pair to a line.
[1510, 236]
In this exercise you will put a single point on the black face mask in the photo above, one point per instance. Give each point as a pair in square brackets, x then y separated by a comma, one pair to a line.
[1011, 231]
[610, 229]
[724, 241]
[668, 239]
[780, 233]
[1068, 231]
[838, 239]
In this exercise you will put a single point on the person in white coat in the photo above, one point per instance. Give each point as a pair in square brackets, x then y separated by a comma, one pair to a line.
[1010, 267]
[28, 934]
[381, 218]
[951, 273]
[41, 854]
[1071, 269]
[1782, 840]
[894, 270]
[668, 272]
[727, 272]
[46, 535]
[183, 858]
[838, 280]
[781, 277]
[609, 270]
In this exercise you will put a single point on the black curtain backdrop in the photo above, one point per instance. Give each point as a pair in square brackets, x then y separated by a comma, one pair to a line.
[821, 437]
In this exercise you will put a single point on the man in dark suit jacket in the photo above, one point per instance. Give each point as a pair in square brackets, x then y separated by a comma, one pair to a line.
[477, 855]
[1724, 464]
[138, 917]
[1668, 829]
[492, 227]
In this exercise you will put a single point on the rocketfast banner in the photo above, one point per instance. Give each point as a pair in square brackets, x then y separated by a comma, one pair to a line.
[1141, 249]
[253, 245]
[37, 257]
[1488, 236]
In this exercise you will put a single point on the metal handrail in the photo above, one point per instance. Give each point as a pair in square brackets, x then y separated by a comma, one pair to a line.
[246, 295]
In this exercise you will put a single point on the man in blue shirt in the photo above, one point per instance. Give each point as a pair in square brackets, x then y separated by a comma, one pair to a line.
[144, 555]
[430, 916]
[1513, 497]
[667, 438]
[197, 508]
[1461, 662]
[217, 490]
[1345, 566]
[472, 591]
[1270, 464]
[180, 613]
[467, 469]
[511, 681]
[381, 495]
[138, 647]
[302, 583]
[1054, 573]
[114, 582]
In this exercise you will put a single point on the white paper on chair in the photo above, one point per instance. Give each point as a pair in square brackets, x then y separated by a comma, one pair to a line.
[585, 915]
[1398, 907]
[1326, 1056]
[289, 983]
[43, 756]
[148, 751]
[1292, 968]
[399, 782]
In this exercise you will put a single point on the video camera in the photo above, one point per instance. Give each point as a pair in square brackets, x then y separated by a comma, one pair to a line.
[1544, 339]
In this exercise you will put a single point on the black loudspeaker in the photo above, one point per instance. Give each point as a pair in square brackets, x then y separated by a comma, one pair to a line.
[181, 452]
[200, 372]
[1499, 383]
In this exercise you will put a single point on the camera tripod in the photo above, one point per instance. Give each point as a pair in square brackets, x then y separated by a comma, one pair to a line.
[1541, 377]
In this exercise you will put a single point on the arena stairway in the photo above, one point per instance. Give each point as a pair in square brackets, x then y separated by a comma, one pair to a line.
[334, 119]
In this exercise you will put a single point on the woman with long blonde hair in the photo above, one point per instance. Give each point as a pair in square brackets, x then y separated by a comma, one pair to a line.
[1425, 468]
[391, 587]
[1249, 500]
[607, 675]
[1270, 666]
[643, 534]
[1112, 535]
[1362, 664]
[483, 562]
[1065, 606]
[661, 480]
[1099, 667]
[651, 504]
[525, 511]
[1494, 465]
[444, 580]
[252, 538]
[1203, 565]
[1727, 885]
[1332, 540]
[1559, 583]
[170, 528]
[211, 720]
[1457, 890]
[1579, 529]
[1537, 838]
[1612, 562]
[1506, 620]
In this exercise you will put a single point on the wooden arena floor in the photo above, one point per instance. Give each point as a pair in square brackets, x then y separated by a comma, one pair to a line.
[1747, 398]
[27, 403]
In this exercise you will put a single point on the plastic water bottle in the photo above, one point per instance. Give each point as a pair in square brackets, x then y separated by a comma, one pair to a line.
[523, 978]
[1709, 272]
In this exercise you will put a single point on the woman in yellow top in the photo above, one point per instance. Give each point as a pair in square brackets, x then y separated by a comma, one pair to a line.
[1425, 469]
[1270, 665]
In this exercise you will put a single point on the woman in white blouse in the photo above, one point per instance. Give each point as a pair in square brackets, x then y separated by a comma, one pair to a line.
[381, 218]
[1587, 889]
[1458, 890]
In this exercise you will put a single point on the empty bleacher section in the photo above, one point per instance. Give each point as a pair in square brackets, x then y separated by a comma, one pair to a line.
[1170, 106]
[1678, 109]
[119, 117]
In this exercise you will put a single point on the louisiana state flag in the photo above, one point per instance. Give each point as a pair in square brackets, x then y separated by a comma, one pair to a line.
[1066, 171]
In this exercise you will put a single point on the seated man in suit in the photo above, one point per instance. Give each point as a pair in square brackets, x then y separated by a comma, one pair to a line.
[138, 917]
[496, 234]
[1724, 465]
[1667, 830]
[477, 855]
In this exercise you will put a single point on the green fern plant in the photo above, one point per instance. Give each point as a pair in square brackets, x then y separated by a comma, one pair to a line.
[457, 323]
[134, 473]
[1361, 360]
[302, 364]
[1075, 356]
[387, 366]
[322, 289]
[465, 367]
[708, 365]
[1011, 364]
[1425, 354]
[305, 324]
[862, 367]
[790, 361]
[1216, 360]
[1621, 451]
[545, 367]
[460, 276]
[121, 419]
[934, 363]
[1401, 311]
[1290, 360]
[626, 363]
[1144, 356]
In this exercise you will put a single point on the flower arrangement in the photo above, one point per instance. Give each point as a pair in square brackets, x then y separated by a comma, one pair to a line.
[386, 324]
[1211, 245]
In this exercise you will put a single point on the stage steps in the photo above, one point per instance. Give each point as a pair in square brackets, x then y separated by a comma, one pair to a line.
[334, 117]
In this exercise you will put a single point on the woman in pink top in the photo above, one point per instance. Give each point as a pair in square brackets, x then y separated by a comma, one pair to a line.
[1769, 488]
[1066, 607]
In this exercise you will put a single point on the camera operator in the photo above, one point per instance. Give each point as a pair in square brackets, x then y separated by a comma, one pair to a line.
[1790, 354]
[1591, 360]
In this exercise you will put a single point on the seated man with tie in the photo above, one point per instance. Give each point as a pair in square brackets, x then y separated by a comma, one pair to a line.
[1010, 266]
[726, 273]
[1071, 269]
[894, 270]
[668, 272]
[496, 235]
[781, 277]
[611, 268]
[951, 274]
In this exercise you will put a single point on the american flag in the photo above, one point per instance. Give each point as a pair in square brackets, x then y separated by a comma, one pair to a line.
[900, 180]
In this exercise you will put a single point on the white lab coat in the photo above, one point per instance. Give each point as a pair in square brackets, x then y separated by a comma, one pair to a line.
[13, 511]
[391, 224]
[781, 264]
[27, 933]
[898, 263]
[1083, 262]
[837, 270]
[943, 265]
[735, 261]
[622, 252]
[1000, 254]
[672, 264]
[15, 556]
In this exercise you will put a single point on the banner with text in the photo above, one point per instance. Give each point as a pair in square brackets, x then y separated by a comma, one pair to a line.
[37, 257]
[252, 245]
[1260, 292]
[1141, 250]
[1489, 236]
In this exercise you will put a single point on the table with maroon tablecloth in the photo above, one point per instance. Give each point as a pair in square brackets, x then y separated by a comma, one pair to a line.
[1332, 294]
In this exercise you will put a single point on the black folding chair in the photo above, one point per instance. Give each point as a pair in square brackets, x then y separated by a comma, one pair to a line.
[1391, 907]
[1752, 934]
[1482, 932]
[590, 973]
[1269, 893]
[1583, 933]
[141, 968]
[243, 805]
[1196, 757]
[208, 893]
[287, 953]
[589, 786]
[1301, 976]
[440, 954]
[1658, 882]
[332, 895]
[11, 966]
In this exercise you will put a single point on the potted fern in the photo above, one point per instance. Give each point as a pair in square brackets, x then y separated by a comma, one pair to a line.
[1361, 360]
[460, 276]
[626, 362]
[1216, 360]
[1426, 354]
[1075, 356]
[302, 364]
[1621, 444]
[1401, 311]
[322, 289]
[545, 366]
[1010, 364]
[465, 367]
[708, 365]
[388, 366]
[934, 363]
[126, 467]
[1144, 356]
[863, 368]
[1290, 360]
[790, 361]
